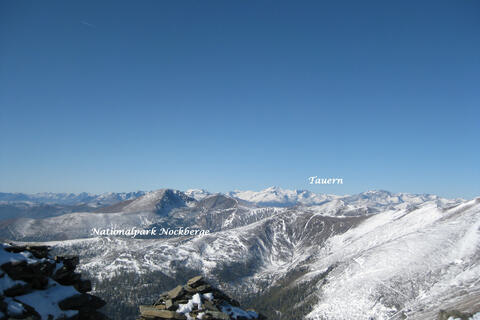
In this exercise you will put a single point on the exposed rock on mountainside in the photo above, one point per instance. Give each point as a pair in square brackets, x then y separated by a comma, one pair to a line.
[196, 300]
[160, 201]
[34, 285]
[375, 255]
[456, 315]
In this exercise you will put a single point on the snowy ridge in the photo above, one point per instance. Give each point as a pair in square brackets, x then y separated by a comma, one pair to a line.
[405, 261]
[197, 194]
[159, 200]
[375, 255]
[376, 198]
[272, 196]
[402, 262]
[275, 196]
[34, 285]
[214, 212]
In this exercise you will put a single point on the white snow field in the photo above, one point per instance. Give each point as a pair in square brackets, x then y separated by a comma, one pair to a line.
[388, 256]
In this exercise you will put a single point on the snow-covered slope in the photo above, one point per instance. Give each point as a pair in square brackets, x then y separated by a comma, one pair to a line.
[173, 208]
[275, 196]
[73, 225]
[402, 263]
[160, 201]
[162, 208]
[35, 285]
[375, 255]
[273, 245]
[411, 261]
[197, 194]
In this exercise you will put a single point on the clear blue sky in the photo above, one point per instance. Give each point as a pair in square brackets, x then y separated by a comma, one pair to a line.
[126, 95]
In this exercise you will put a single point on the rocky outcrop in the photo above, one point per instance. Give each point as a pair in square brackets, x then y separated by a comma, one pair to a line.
[456, 315]
[35, 285]
[196, 300]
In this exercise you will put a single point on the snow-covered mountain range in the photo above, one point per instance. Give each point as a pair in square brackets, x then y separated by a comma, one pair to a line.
[200, 209]
[70, 198]
[47, 204]
[272, 196]
[289, 254]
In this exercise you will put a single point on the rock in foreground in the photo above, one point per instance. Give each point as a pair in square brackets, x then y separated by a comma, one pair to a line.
[196, 300]
[34, 286]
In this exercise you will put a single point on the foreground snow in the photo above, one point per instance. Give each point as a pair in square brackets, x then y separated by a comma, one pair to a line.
[402, 262]
[45, 302]
[378, 255]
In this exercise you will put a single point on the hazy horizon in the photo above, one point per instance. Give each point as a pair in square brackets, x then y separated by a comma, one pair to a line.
[243, 190]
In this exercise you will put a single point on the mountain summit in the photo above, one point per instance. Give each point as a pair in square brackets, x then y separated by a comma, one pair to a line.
[276, 196]
[160, 201]
[286, 253]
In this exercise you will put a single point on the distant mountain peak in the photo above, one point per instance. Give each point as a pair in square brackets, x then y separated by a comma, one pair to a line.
[160, 201]
[197, 194]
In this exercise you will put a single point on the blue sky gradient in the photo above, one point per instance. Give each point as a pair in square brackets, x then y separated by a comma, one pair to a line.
[125, 95]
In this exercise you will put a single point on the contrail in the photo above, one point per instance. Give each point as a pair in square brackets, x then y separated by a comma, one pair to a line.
[88, 24]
